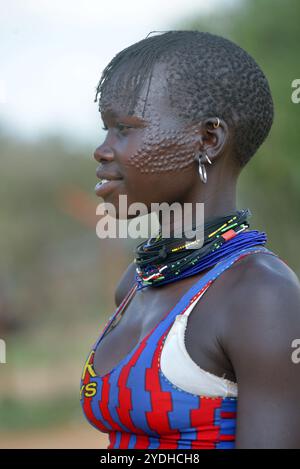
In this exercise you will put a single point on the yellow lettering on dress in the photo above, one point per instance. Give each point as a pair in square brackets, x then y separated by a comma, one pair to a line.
[88, 367]
[90, 389]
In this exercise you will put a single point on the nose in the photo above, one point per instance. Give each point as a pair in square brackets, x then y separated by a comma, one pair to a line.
[103, 154]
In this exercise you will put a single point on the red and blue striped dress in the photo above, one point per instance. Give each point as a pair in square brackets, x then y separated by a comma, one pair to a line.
[140, 408]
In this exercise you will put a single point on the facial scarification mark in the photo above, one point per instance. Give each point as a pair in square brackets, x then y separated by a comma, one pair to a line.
[168, 144]
[164, 150]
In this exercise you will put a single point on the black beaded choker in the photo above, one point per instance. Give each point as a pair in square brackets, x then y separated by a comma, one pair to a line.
[163, 260]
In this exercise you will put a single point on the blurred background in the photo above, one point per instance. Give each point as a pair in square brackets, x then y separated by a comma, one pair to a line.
[57, 278]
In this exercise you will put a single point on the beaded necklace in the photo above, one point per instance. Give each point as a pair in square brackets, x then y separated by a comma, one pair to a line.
[164, 260]
[222, 237]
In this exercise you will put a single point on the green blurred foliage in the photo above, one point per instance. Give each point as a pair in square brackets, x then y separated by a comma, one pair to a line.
[20, 416]
[56, 277]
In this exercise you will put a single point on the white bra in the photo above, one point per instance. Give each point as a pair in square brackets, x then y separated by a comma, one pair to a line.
[178, 367]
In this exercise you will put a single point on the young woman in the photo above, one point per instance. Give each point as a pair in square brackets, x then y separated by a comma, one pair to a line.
[198, 353]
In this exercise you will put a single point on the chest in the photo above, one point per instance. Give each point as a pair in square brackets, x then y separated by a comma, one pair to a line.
[148, 308]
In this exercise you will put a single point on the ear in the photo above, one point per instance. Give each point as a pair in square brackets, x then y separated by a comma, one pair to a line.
[213, 137]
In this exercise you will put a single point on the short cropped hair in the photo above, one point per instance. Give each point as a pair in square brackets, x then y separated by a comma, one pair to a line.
[207, 75]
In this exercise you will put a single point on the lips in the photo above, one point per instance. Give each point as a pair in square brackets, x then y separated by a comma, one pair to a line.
[108, 182]
[103, 188]
[107, 176]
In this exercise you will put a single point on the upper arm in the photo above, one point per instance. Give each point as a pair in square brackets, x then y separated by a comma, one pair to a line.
[264, 326]
[125, 283]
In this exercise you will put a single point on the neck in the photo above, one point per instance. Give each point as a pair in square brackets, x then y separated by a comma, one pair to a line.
[214, 201]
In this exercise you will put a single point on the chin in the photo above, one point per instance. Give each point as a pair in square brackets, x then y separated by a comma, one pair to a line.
[116, 206]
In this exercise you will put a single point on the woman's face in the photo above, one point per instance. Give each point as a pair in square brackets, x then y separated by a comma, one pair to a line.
[151, 152]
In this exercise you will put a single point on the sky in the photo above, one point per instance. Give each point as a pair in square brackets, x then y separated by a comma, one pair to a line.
[52, 53]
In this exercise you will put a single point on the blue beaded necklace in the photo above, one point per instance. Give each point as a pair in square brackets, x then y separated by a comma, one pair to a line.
[165, 260]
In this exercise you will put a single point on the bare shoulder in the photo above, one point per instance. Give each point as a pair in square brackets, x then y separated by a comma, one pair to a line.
[263, 280]
[262, 267]
[263, 312]
[125, 283]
